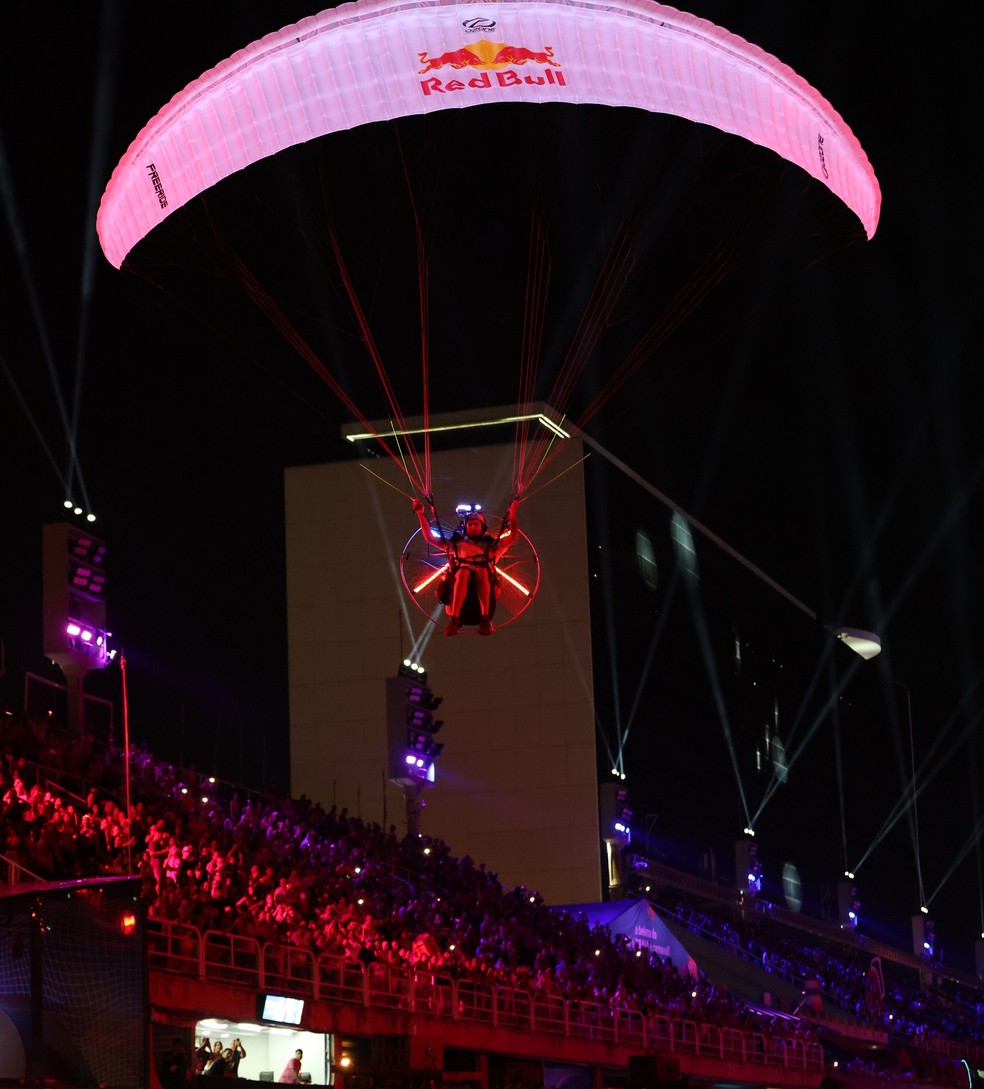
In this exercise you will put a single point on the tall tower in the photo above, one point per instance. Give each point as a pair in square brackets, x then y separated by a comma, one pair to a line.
[74, 609]
[516, 785]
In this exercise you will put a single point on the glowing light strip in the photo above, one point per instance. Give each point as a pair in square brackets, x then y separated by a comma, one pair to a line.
[430, 578]
[549, 424]
[519, 586]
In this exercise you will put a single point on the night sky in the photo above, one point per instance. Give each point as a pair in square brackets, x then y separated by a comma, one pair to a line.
[817, 412]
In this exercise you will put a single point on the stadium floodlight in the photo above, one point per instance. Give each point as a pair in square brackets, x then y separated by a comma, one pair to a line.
[864, 643]
[410, 728]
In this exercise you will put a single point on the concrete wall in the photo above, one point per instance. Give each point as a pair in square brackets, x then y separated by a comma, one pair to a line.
[517, 783]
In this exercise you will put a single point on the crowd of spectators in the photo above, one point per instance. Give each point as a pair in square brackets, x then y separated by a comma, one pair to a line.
[841, 973]
[844, 977]
[288, 870]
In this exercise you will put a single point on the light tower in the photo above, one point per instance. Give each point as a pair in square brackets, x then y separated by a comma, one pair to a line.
[615, 822]
[411, 726]
[848, 905]
[74, 610]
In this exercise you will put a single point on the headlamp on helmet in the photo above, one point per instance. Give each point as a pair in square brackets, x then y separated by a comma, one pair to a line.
[468, 511]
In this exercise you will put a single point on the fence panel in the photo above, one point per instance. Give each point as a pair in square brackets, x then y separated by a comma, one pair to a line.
[387, 988]
[549, 1014]
[288, 970]
[630, 1028]
[229, 958]
[683, 1037]
[592, 1021]
[709, 1041]
[513, 1008]
[659, 1031]
[732, 1045]
[814, 1057]
[475, 1002]
[339, 980]
[432, 995]
[174, 947]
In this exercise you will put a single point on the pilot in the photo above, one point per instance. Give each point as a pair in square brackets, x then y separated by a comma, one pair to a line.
[472, 557]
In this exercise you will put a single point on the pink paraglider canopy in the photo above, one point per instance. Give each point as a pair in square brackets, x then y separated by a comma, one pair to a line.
[374, 61]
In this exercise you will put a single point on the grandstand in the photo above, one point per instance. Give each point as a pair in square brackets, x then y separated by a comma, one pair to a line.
[391, 962]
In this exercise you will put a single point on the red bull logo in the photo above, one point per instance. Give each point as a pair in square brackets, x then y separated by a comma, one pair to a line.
[492, 62]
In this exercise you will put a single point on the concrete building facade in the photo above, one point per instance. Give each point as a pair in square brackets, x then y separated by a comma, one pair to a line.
[516, 784]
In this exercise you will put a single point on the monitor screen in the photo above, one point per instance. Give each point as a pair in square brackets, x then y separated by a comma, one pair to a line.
[277, 1007]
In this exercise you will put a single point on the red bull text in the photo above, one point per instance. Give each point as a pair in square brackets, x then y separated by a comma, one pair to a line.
[493, 64]
[502, 79]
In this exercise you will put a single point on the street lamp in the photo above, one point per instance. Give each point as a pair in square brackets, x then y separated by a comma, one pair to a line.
[865, 643]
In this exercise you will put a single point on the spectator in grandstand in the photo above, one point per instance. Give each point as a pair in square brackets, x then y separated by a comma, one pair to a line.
[313, 881]
[292, 1071]
[237, 1053]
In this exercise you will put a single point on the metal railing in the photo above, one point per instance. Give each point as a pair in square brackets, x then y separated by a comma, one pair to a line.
[285, 969]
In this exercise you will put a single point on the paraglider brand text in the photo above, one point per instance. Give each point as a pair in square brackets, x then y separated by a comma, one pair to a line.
[823, 164]
[155, 180]
[508, 78]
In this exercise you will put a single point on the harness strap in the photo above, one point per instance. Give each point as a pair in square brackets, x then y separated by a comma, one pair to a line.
[473, 561]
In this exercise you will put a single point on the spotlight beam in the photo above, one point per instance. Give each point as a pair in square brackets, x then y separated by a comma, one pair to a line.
[969, 843]
[602, 522]
[418, 642]
[927, 773]
[707, 654]
[941, 533]
[647, 665]
[793, 753]
[9, 202]
[29, 416]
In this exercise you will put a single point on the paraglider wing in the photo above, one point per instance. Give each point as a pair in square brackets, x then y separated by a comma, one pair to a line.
[375, 61]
